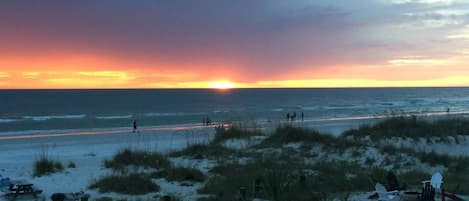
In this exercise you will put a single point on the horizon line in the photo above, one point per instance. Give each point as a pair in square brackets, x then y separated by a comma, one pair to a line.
[233, 88]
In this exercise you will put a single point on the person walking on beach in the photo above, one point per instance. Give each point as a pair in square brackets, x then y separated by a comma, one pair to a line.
[302, 116]
[135, 126]
[288, 116]
[209, 121]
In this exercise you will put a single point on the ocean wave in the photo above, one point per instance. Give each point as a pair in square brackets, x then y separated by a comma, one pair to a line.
[345, 107]
[45, 118]
[313, 108]
[221, 111]
[114, 117]
[277, 110]
[166, 114]
[8, 120]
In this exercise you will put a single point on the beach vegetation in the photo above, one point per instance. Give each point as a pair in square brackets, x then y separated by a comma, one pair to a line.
[132, 184]
[288, 134]
[128, 157]
[290, 180]
[180, 174]
[170, 197]
[46, 166]
[202, 151]
[411, 127]
[105, 198]
[234, 133]
[71, 164]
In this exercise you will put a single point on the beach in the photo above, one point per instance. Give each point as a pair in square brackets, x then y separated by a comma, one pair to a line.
[87, 151]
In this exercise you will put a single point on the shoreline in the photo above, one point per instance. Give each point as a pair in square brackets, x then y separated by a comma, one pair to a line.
[332, 125]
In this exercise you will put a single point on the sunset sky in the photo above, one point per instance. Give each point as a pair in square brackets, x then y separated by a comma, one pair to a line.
[233, 43]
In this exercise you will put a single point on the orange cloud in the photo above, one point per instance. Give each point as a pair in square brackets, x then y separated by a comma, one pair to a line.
[86, 71]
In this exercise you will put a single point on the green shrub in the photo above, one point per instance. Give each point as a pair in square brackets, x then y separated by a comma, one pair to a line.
[127, 157]
[133, 184]
[200, 151]
[45, 166]
[411, 127]
[288, 134]
[234, 133]
[292, 180]
[181, 174]
[104, 199]
[71, 164]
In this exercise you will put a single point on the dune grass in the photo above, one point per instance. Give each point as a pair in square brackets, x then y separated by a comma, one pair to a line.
[128, 157]
[133, 184]
[411, 127]
[45, 166]
[291, 180]
[180, 174]
[234, 133]
[288, 134]
[201, 151]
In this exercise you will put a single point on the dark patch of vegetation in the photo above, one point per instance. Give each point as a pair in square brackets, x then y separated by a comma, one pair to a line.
[290, 180]
[413, 177]
[180, 174]
[201, 151]
[288, 134]
[411, 127]
[234, 133]
[45, 166]
[71, 164]
[104, 199]
[133, 184]
[170, 197]
[127, 157]
[456, 176]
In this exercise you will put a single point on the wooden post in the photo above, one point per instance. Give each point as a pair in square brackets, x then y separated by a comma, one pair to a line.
[442, 194]
[242, 193]
[257, 187]
[166, 198]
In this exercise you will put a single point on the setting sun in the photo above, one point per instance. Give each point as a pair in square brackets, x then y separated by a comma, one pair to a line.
[221, 85]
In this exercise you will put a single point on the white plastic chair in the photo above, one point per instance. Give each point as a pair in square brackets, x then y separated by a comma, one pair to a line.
[436, 180]
[384, 195]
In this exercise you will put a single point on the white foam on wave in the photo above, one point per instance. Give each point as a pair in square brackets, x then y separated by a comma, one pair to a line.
[221, 111]
[114, 117]
[8, 120]
[167, 114]
[45, 118]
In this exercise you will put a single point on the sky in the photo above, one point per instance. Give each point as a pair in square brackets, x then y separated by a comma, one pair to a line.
[227, 43]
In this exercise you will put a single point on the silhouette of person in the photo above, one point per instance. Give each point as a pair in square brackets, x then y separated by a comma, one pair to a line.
[135, 126]
[288, 116]
[302, 116]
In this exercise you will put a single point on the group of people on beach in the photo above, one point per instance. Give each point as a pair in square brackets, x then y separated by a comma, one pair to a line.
[206, 121]
[292, 117]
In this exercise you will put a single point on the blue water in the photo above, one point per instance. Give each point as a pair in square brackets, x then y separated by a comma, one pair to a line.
[35, 110]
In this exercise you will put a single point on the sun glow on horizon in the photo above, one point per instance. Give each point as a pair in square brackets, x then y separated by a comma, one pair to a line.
[221, 85]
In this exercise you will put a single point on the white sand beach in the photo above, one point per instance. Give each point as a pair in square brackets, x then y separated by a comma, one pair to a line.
[87, 150]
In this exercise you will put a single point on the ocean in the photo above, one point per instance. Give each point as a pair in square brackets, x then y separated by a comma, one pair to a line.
[29, 111]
